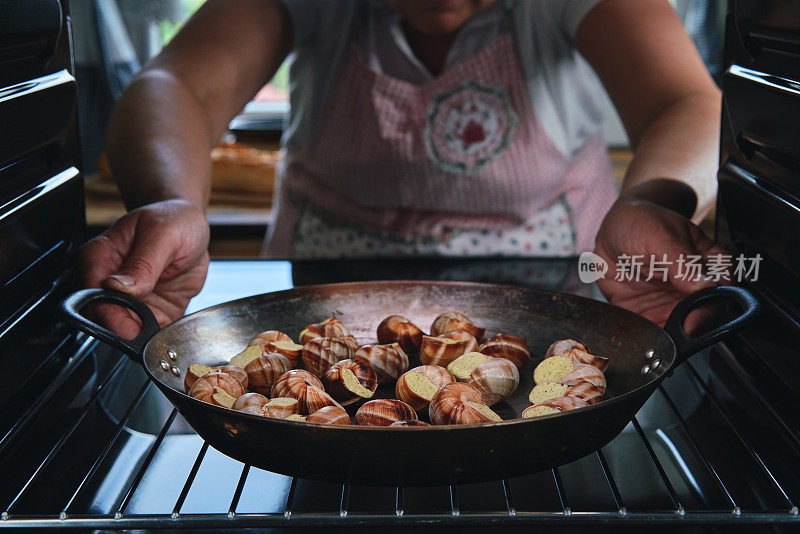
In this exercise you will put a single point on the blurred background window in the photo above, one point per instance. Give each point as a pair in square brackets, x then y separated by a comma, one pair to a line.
[114, 38]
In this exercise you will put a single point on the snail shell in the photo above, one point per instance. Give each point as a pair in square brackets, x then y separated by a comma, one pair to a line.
[557, 405]
[321, 353]
[250, 353]
[195, 371]
[330, 415]
[330, 327]
[267, 337]
[417, 386]
[265, 370]
[576, 351]
[277, 408]
[351, 342]
[281, 407]
[388, 362]
[459, 404]
[585, 373]
[349, 381]
[568, 371]
[462, 335]
[293, 382]
[236, 372]
[462, 367]
[220, 397]
[565, 345]
[396, 328]
[313, 400]
[454, 320]
[396, 346]
[581, 356]
[413, 422]
[251, 409]
[249, 400]
[289, 349]
[205, 386]
[441, 350]
[550, 390]
[496, 379]
[508, 347]
[305, 387]
[384, 412]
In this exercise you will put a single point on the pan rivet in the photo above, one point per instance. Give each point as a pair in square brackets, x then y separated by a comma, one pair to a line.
[645, 369]
[164, 365]
[655, 364]
[649, 354]
[172, 355]
[176, 371]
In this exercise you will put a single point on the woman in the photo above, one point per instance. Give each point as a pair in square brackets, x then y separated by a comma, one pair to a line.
[431, 127]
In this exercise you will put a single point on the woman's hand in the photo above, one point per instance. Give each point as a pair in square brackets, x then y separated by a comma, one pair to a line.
[157, 253]
[640, 227]
[164, 126]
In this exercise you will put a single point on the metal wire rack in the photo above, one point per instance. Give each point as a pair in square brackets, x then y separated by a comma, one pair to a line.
[714, 493]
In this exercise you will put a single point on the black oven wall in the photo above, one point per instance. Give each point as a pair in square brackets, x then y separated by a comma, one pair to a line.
[41, 197]
[758, 205]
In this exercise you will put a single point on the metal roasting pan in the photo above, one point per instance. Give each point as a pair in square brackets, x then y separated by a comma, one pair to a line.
[642, 354]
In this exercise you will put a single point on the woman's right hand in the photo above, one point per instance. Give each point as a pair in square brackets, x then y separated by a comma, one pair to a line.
[157, 253]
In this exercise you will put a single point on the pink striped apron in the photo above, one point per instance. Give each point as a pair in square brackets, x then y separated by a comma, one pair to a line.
[457, 166]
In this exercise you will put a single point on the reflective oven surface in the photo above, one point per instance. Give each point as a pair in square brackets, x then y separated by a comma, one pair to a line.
[706, 448]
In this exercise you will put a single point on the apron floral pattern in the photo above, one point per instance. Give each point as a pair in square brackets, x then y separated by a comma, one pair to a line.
[548, 233]
[456, 166]
[469, 126]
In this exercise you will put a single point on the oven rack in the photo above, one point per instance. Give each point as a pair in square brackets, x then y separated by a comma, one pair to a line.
[674, 512]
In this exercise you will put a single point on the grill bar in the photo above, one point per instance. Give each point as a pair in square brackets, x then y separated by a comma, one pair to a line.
[673, 496]
[734, 507]
[746, 444]
[190, 479]
[239, 488]
[398, 502]
[60, 444]
[792, 437]
[198, 521]
[344, 500]
[99, 460]
[36, 407]
[456, 517]
[612, 484]
[512, 510]
[143, 468]
[455, 509]
[562, 495]
[287, 509]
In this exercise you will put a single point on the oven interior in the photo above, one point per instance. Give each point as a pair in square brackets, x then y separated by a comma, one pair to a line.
[105, 449]
[86, 442]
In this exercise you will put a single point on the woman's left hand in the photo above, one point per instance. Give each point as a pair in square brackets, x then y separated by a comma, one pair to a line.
[671, 107]
[640, 228]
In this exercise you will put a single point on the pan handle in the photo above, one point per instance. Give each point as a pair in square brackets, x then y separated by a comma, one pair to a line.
[688, 346]
[72, 305]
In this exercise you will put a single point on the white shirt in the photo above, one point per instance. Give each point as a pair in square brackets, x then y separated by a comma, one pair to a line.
[563, 88]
